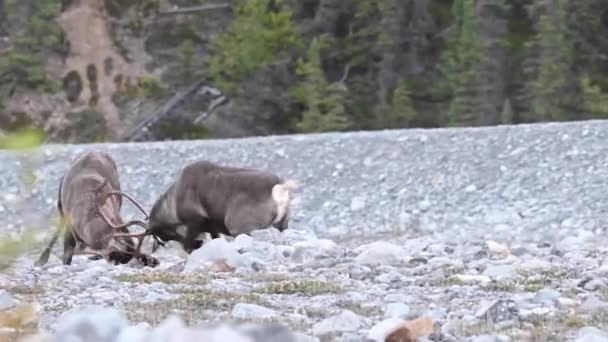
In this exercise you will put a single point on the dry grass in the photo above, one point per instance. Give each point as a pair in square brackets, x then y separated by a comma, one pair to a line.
[164, 277]
[301, 286]
[360, 309]
[192, 305]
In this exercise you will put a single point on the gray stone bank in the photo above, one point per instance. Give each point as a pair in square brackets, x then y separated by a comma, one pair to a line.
[533, 182]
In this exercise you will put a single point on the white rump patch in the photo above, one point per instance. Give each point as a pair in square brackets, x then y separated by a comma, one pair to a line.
[281, 193]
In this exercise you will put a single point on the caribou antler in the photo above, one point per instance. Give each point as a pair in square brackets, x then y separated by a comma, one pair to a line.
[139, 236]
[139, 206]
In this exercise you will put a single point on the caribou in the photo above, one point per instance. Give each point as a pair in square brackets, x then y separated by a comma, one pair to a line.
[214, 199]
[89, 202]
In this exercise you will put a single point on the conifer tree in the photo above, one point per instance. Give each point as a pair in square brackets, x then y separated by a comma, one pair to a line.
[324, 107]
[552, 89]
[460, 65]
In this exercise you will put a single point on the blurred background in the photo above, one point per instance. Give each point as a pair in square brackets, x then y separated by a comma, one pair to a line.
[81, 71]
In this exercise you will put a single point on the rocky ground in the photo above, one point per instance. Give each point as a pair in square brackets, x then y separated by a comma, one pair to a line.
[493, 234]
[328, 291]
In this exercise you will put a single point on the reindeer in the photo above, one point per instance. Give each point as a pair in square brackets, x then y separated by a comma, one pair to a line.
[210, 198]
[89, 203]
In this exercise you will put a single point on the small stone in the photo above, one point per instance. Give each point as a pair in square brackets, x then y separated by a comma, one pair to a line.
[6, 300]
[500, 272]
[268, 234]
[380, 253]
[411, 331]
[424, 205]
[381, 330]
[546, 297]
[357, 203]
[595, 285]
[167, 329]
[213, 250]
[243, 242]
[249, 311]
[591, 334]
[470, 188]
[267, 332]
[396, 310]
[313, 249]
[564, 302]
[471, 279]
[135, 333]
[593, 304]
[91, 324]
[497, 250]
[491, 338]
[498, 311]
[345, 321]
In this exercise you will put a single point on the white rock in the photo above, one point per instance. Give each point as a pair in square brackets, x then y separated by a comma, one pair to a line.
[248, 311]
[309, 250]
[291, 235]
[243, 242]
[6, 300]
[357, 203]
[396, 310]
[380, 331]
[166, 329]
[345, 321]
[472, 279]
[91, 324]
[380, 253]
[591, 334]
[223, 333]
[214, 250]
[500, 272]
[497, 250]
[270, 234]
[135, 333]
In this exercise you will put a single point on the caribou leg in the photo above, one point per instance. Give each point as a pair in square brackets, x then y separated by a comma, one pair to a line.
[69, 243]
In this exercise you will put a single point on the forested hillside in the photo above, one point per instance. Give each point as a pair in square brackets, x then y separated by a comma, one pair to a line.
[91, 71]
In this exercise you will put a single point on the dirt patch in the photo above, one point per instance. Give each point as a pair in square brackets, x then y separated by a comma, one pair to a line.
[94, 57]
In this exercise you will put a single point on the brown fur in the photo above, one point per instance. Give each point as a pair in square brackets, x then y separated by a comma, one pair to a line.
[83, 196]
[210, 198]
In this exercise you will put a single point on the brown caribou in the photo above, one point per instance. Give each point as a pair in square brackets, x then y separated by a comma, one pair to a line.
[210, 198]
[89, 203]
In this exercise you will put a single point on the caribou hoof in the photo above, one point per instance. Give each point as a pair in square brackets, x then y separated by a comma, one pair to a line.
[197, 244]
[117, 257]
[149, 260]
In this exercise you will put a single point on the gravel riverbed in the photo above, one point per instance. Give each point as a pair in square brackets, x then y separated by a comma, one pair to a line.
[495, 234]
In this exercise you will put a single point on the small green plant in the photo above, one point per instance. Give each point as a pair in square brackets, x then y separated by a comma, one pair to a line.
[150, 87]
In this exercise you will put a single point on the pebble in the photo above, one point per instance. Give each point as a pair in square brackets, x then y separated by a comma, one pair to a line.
[6, 300]
[249, 311]
[380, 253]
[345, 321]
